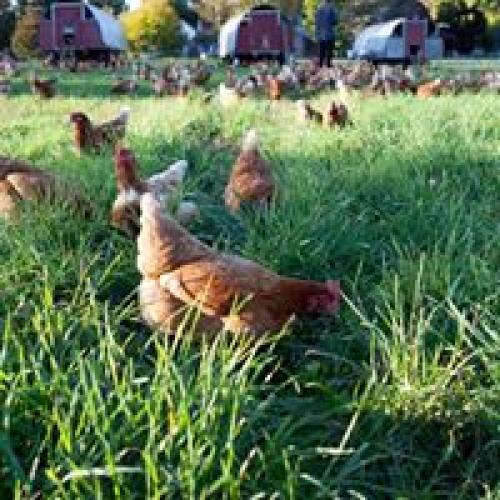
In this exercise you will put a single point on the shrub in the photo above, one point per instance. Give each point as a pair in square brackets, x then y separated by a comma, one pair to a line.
[25, 38]
[154, 25]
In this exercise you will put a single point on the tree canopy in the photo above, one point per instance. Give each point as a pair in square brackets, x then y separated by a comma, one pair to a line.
[154, 25]
[25, 37]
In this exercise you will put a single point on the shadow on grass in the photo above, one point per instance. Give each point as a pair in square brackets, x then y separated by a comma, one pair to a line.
[365, 218]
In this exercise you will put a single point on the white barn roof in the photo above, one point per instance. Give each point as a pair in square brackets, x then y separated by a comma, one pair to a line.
[111, 29]
[382, 30]
[188, 31]
[374, 38]
[228, 35]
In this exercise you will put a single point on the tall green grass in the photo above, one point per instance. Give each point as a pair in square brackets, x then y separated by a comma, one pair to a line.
[397, 397]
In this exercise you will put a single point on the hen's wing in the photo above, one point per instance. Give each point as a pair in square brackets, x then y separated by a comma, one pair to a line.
[253, 186]
[169, 179]
[161, 309]
[251, 177]
[216, 283]
[114, 129]
[31, 185]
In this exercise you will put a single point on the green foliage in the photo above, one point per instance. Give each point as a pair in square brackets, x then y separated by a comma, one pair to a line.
[469, 24]
[219, 11]
[25, 37]
[309, 10]
[185, 13]
[155, 25]
[397, 397]
[342, 34]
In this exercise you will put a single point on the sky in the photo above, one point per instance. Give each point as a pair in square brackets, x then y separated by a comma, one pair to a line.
[133, 4]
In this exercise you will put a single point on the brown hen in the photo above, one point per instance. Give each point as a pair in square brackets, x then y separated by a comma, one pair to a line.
[251, 179]
[88, 136]
[215, 282]
[307, 113]
[46, 89]
[336, 115]
[125, 211]
[22, 182]
[275, 88]
[124, 87]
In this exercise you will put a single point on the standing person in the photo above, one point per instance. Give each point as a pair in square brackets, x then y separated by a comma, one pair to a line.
[326, 19]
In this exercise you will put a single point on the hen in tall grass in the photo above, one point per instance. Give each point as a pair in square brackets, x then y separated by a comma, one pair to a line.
[46, 89]
[251, 179]
[88, 136]
[215, 282]
[125, 211]
[20, 181]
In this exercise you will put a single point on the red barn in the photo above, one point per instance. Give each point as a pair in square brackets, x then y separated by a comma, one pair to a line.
[262, 32]
[82, 31]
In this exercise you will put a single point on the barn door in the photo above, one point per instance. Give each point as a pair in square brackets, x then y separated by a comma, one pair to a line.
[416, 32]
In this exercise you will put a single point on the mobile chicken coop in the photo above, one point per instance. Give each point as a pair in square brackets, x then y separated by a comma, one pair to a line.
[260, 33]
[82, 31]
[399, 41]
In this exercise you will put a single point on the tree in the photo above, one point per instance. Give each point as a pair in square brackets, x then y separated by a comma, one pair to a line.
[219, 11]
[25, 38]
[468, 24]
[185, 12]
[291, 8]
[154, 25]
[309, 10]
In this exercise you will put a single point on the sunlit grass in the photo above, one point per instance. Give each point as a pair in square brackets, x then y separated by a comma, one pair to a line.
[397, 397]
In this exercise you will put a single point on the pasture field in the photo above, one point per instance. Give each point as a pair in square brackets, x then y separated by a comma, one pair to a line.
[397, 397]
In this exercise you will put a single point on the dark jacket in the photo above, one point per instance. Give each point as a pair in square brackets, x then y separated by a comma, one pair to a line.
[326, 19]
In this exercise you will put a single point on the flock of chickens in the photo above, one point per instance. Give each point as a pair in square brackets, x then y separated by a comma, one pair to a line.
[179, 272]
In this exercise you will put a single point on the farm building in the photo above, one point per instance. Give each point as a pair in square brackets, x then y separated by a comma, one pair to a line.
[82, 31]
[356, 16]
[262, 32]
[399, 41]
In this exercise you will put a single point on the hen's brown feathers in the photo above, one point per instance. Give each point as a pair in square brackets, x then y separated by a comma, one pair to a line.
[9, 200]
[23, 182]
[164, 245]
[251, 179]
[125, 212]
[161, 309]
[197, 275]
[89, 136]
[336, 115]
[46, 89]
[275, 88]
[308, 113]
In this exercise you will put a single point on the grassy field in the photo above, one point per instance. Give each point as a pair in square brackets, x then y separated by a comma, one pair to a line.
[398, 397]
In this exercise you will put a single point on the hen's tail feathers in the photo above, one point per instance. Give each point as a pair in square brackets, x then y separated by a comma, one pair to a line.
[174, 175]
[124, 114]
[251, 141]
